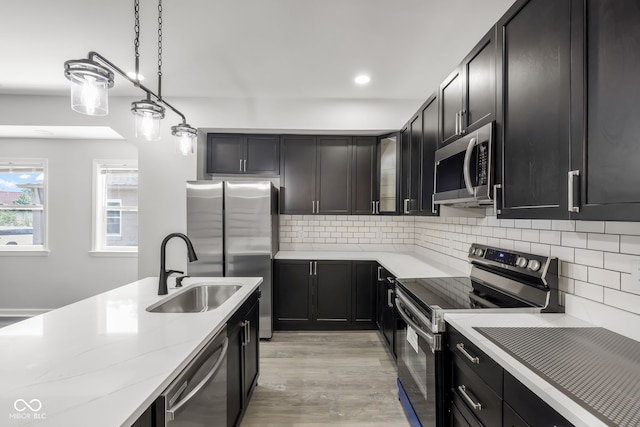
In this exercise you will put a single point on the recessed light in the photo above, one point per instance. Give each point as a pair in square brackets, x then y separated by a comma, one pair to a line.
[362, 79]
[132, 75]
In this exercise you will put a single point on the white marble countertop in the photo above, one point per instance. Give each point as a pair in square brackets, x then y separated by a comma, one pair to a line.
[400, 264]
[565, 406]
[103, 360]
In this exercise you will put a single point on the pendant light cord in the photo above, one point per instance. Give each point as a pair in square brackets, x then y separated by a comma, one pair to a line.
[136, 40]
[159, 49]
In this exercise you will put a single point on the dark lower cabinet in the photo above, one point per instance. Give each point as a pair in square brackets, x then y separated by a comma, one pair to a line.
[510, 418]
[323, 295]
[242, 359]
[386, 315]
[534, 108]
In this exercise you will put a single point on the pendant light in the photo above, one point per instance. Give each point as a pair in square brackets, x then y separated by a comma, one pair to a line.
[91, 78]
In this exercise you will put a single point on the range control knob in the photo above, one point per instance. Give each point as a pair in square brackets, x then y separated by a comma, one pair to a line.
[534, 265]
[521, 262]
[479, 252]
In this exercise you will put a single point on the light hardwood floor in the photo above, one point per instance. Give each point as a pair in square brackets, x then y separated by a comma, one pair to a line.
[313, 379]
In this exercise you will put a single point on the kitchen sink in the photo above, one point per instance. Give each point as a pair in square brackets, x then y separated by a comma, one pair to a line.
[196, 298]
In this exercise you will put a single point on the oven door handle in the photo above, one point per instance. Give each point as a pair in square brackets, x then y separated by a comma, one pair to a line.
[434, 343]
[466, 172]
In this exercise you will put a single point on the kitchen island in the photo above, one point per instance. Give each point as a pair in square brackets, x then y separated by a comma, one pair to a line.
[103, 361]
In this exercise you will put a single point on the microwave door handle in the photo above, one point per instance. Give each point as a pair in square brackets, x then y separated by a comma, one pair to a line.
[466, 172]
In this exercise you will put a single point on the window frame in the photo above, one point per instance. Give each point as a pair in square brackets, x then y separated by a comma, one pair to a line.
[28, 250]
[99, 213]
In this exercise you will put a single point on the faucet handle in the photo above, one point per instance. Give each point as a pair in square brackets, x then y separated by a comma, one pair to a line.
[170, 272]
[179, 281]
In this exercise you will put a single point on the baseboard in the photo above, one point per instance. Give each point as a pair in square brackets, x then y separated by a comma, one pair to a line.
[22, 312]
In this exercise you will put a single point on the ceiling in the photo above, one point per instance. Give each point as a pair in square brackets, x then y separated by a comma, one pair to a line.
[266, 51]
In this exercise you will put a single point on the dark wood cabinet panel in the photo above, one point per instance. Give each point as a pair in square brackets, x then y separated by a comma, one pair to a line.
[240, 154]
[333, 291]
[363, 294]
[450, 98]
[534, 105]
[262, 154]
[389, 174]
[364, 189]
[242, 359]
[298, 179]
[405, 169]
[333, 176]
[225, 153]
[291, 293]
[428, 150]
[413, 184]
[510, 418]
[605, 151]
[479, 95]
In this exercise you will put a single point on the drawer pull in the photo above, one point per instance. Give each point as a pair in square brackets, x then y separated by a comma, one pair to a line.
[463, 390]
[473, 359]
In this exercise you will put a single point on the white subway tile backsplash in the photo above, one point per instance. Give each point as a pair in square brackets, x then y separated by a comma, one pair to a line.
[576, 240]
[563, 253]
[541, 224]
[540, 249]
[514, 234]
[615, 227]
[531, 235]
[590, 291]
[608, 278]
[574, 271]
[522, 223]
[563, 225]
[604, 242]
[630, 244]
[590, 226]
[550, 237]
[522, 246]
[622, 300]
[589, 257]
[619, 262]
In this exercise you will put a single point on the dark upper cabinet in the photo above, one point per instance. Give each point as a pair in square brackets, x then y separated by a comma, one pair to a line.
[450, 107]
[605, 149]
[468, 96]
[333, 175]
[388, 174]
[316, 175]
[411, 141]
[429, 112]
[364, 192]
[298, 178]
[533, 125]
[239, 154]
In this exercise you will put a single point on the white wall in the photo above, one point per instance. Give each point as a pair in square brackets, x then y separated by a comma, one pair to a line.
[69, 273]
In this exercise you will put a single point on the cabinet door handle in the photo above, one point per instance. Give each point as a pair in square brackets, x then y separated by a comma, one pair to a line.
[378, 207]
[473, 359]
[373, 208]
[244, 165]
[433, 204]
[570, 190]
[248, 330]
[379, 274]
[317, 206]
[457, 114]
[463, 114]
[463, 391]
[313, 206]
[310, 268]
[315, 268]
[240, 165]
[406, 205]
[390, 298]
[497, 189]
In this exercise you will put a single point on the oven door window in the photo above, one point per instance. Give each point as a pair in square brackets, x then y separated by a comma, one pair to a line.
[414, 360]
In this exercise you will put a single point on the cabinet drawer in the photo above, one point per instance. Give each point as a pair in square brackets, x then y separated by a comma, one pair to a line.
[475, 359]
[469, 389]
[510, 418]
[462, 417]
[532, 409]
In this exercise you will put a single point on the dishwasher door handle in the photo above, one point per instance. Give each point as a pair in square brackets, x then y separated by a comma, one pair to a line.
[170, 413]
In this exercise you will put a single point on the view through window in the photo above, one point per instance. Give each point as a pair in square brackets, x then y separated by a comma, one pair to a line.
[116, 210]
[22, 204]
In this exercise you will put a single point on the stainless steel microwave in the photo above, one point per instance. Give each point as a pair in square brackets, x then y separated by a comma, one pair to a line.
[464, 170]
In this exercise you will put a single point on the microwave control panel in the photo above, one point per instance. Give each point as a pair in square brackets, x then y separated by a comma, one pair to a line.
[483, 164]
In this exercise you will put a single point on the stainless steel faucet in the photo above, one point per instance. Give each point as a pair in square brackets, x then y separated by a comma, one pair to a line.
[164, 274]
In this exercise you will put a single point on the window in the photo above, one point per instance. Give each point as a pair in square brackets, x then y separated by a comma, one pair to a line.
[23, 223]
[116, 206]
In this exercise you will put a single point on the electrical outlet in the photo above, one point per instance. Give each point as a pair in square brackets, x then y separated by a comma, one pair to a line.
[635, 274]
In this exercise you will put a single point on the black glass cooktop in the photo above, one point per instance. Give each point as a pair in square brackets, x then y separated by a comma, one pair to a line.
[445, 292]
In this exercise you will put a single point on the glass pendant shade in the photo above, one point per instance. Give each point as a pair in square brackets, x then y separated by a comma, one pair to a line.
[148, 115]
[188, 138]
[90, 83]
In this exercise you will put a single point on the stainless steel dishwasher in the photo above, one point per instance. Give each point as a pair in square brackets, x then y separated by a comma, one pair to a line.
[198, 396]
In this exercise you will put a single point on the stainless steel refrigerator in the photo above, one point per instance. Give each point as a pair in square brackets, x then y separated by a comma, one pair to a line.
[234, 228]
